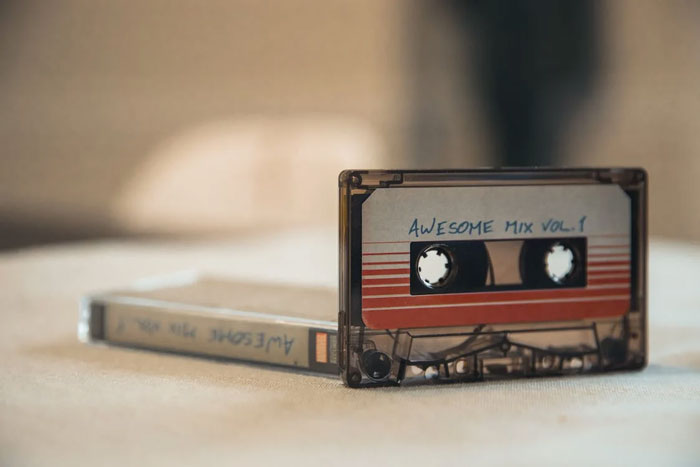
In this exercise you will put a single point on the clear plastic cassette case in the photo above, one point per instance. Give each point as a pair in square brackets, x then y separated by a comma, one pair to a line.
[272, 324]
[469, 275]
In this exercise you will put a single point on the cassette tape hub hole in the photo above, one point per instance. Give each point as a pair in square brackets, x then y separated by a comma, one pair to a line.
[559, 263]
[377, 365]
[435, 266]
[547, 263]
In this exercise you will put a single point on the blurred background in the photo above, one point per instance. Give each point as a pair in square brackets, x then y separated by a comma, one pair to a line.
[185, 118]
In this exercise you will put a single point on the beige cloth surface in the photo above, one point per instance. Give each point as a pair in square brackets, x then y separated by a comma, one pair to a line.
[64, 403]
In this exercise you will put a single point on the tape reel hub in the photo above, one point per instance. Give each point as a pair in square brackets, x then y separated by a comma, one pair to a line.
[559, 263]
[435, 266]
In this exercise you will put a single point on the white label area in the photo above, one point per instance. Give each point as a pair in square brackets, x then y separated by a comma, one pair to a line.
[494, 212]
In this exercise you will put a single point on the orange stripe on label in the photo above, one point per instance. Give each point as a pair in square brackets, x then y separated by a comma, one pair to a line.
[610, 255]
[322, 347]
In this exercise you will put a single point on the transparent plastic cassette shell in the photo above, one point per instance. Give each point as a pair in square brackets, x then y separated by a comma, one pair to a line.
[498, 305]
[262, 323]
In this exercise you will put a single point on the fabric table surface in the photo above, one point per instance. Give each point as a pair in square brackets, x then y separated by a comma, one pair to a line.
[66, 403]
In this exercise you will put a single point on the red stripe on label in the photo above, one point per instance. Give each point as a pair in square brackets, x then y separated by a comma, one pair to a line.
[492, 314]
[370, 263]
[386, 281]
[385, 272]
[485, 297]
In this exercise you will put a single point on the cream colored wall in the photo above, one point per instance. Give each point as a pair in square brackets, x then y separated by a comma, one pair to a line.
[90, 92]
[94, 95]
[647, 112]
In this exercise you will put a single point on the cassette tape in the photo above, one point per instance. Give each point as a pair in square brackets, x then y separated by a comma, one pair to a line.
[262, 323]
[450, 276]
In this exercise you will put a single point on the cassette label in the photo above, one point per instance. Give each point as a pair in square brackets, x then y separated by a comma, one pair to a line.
[467, 227]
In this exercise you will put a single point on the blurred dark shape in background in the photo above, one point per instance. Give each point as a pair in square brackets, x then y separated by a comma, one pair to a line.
[532, 64]
[171, 117]
[535, 62]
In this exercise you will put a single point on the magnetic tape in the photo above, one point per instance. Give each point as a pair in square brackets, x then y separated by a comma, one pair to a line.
[450, 276]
